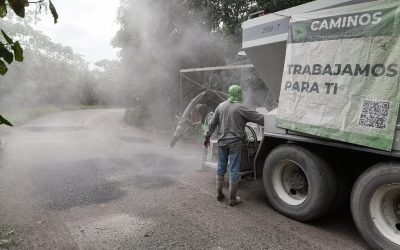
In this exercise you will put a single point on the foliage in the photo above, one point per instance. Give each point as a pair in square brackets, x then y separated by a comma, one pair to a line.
[136, 113]
[4, 121]
[157, 38]
[11, 50]
[226, 16]
[54, 76]
[6, 53]
[105, 87]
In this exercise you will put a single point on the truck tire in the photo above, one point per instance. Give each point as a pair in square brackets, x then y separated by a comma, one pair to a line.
[298, 183]
[375, 205]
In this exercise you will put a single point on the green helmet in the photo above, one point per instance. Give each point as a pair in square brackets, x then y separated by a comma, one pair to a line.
[235, 93]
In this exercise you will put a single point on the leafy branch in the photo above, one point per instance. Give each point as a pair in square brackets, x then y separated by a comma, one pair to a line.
[12, 50]
[6, 55]
[18, 6]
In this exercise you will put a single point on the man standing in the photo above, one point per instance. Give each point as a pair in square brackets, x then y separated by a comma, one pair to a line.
[231, 117]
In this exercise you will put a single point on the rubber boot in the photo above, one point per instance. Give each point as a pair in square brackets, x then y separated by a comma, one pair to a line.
[233, 199]
[220, 184]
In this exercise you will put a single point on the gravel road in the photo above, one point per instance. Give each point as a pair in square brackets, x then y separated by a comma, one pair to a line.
[85, 180]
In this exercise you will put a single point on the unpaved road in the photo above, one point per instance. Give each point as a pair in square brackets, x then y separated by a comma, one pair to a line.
[84, 180]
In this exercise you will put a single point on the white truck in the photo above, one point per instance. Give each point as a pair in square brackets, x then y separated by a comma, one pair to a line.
[306, 173]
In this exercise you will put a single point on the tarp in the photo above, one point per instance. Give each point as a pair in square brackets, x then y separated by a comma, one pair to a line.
[341, 75]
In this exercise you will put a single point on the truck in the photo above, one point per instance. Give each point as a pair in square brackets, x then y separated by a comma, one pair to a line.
[323, 147]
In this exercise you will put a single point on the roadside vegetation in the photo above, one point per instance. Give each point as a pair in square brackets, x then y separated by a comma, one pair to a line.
[158, 38]
[155, 40]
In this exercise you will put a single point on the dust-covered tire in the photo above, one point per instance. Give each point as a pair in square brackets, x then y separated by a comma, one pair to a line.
[298, 183]
[375, 205]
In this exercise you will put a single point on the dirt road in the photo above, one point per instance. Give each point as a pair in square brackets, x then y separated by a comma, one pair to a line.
[85, 180]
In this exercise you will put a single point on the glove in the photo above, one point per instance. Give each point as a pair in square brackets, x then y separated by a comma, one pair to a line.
[206, 142]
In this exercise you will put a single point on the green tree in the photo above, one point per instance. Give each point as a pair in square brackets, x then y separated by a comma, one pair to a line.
[226, 16]
[53, 74]
[11, 50]
[157, 38]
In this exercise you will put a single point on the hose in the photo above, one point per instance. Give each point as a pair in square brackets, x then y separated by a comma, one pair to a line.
[249, 142]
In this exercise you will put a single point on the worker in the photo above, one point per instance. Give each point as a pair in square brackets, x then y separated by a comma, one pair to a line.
[231, 117]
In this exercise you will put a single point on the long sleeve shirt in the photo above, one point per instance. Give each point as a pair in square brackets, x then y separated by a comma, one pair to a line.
[231, 119]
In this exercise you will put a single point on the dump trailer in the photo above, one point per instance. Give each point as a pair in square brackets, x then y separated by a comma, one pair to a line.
[334, 139]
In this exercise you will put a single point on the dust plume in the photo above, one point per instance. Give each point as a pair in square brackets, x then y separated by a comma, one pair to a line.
[156, 40]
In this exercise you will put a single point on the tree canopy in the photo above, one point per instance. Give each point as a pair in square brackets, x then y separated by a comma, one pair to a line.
[157, 38]
[226, 16]
[11, 50]
[51, 74]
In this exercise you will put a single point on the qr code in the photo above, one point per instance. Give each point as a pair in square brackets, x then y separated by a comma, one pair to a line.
[374, 114]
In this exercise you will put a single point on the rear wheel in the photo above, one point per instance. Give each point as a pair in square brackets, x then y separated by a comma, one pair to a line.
[298, 183]
[375, 205]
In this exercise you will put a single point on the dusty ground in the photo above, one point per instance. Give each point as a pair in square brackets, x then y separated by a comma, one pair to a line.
[84, 180]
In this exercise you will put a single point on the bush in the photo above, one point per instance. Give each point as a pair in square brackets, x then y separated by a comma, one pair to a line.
[135, 115]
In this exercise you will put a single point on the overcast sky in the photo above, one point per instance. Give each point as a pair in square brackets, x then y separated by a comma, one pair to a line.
[86, 25]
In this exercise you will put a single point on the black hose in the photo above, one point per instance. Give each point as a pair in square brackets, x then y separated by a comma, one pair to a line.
[254, 135]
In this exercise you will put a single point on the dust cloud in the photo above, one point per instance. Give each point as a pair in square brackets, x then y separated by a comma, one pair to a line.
[155, 40]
